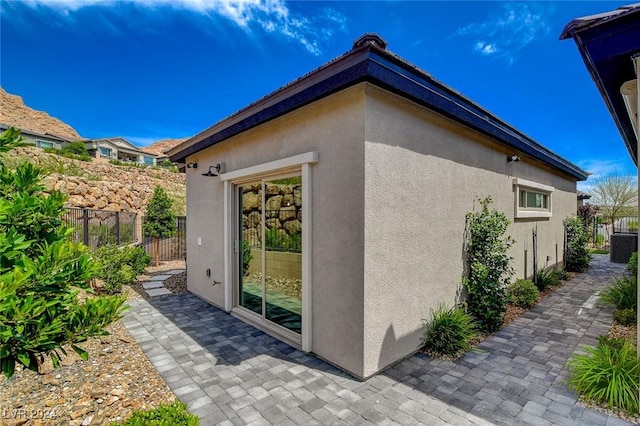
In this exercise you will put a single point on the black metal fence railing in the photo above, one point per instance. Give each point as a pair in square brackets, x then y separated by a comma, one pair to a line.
[96, 228]
[174, 248]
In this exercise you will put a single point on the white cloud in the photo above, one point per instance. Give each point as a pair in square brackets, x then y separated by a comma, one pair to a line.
[485, 48]
[272, 16]
[507, 32]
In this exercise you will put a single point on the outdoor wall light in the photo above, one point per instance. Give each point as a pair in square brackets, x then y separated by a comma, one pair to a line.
[192, 166]
[219, 168]
[513, 158]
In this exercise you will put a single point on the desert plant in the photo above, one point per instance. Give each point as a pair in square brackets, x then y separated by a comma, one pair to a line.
[489, 266]
[522, 293]
[632, 266]
[576, 254]
[622, 293]
[163, 415]
[549, 277]
[449, 331]
[160, 222]
[41, 272]
[609, 373]
[625, 316]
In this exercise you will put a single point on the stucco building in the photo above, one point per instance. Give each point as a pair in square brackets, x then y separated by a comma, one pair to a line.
[361, 174]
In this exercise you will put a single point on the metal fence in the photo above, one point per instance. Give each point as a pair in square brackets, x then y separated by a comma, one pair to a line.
[96, 228]
[174, 248]
[600, 229]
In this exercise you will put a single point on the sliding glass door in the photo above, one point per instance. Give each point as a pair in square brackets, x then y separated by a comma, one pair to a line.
[270, 250]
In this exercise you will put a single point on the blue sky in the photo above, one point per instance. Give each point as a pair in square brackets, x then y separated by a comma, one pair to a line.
[154, 69]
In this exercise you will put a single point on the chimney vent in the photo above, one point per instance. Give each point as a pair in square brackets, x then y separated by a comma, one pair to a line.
[370, 39]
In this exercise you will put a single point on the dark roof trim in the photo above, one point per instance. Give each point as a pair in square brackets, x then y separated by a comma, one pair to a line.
[607, 42]
[384, 69]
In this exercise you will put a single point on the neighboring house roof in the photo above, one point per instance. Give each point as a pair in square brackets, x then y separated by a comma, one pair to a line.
[122, 144]
[607, 43]
[582, 195]
[370, 61]
[47, 135]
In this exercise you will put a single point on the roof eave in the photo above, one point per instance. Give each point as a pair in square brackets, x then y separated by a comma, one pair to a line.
[386, 70]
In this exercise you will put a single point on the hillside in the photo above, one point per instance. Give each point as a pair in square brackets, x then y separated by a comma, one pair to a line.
[99, 185]
[162, 146]
[15, 113]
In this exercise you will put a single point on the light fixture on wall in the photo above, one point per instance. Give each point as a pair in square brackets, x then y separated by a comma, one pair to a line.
[513, 158]
[219, 168]
[192, 166]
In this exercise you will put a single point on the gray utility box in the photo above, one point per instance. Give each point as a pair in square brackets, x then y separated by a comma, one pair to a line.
[622, 245]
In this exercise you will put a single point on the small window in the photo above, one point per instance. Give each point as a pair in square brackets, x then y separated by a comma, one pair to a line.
[532, 199]
[105, 152]
[43, 144]
[148, 161]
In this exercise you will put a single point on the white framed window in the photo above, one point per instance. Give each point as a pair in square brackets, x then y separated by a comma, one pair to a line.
[532, 199]
[105, 152]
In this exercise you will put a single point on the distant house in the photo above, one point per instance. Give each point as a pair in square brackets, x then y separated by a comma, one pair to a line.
[46, 140]
[331, 213]
[581, 197]
[118, 148]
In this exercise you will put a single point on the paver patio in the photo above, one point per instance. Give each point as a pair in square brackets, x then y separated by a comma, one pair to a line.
[231, 373]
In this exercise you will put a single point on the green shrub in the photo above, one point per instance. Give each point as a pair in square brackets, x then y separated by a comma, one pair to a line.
[164, 415]
[609, 373]
[622, 293]
[449, 331]
[136, 257]
[246, 256]
[599, 240]
[632, 266]
[549, 277]
[489, 266]
[576, 255]
[166, 163]
[160, 222]
[77, 148]
[40, 273]
[625, 316]
[120, 266]
[522, 293]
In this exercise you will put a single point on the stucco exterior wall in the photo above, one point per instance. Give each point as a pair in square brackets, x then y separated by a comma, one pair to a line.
[423, 173]
[334, 127]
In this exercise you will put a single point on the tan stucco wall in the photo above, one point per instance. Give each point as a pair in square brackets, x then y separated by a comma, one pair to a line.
[390, 193]
[334, 127]
[423, 173]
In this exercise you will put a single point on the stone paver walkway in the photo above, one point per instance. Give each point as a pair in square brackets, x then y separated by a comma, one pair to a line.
[231, 373]
[154, 285]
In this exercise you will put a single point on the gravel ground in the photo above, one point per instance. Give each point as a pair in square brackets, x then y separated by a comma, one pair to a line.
[117, 379]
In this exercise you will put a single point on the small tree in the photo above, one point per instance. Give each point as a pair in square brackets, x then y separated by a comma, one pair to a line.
[159, 222]
[614, 192]
[41, 271]
[489, 266]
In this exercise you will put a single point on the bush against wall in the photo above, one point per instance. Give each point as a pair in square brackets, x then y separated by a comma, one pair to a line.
[488, 265]
[576, 256]
[40, 272]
